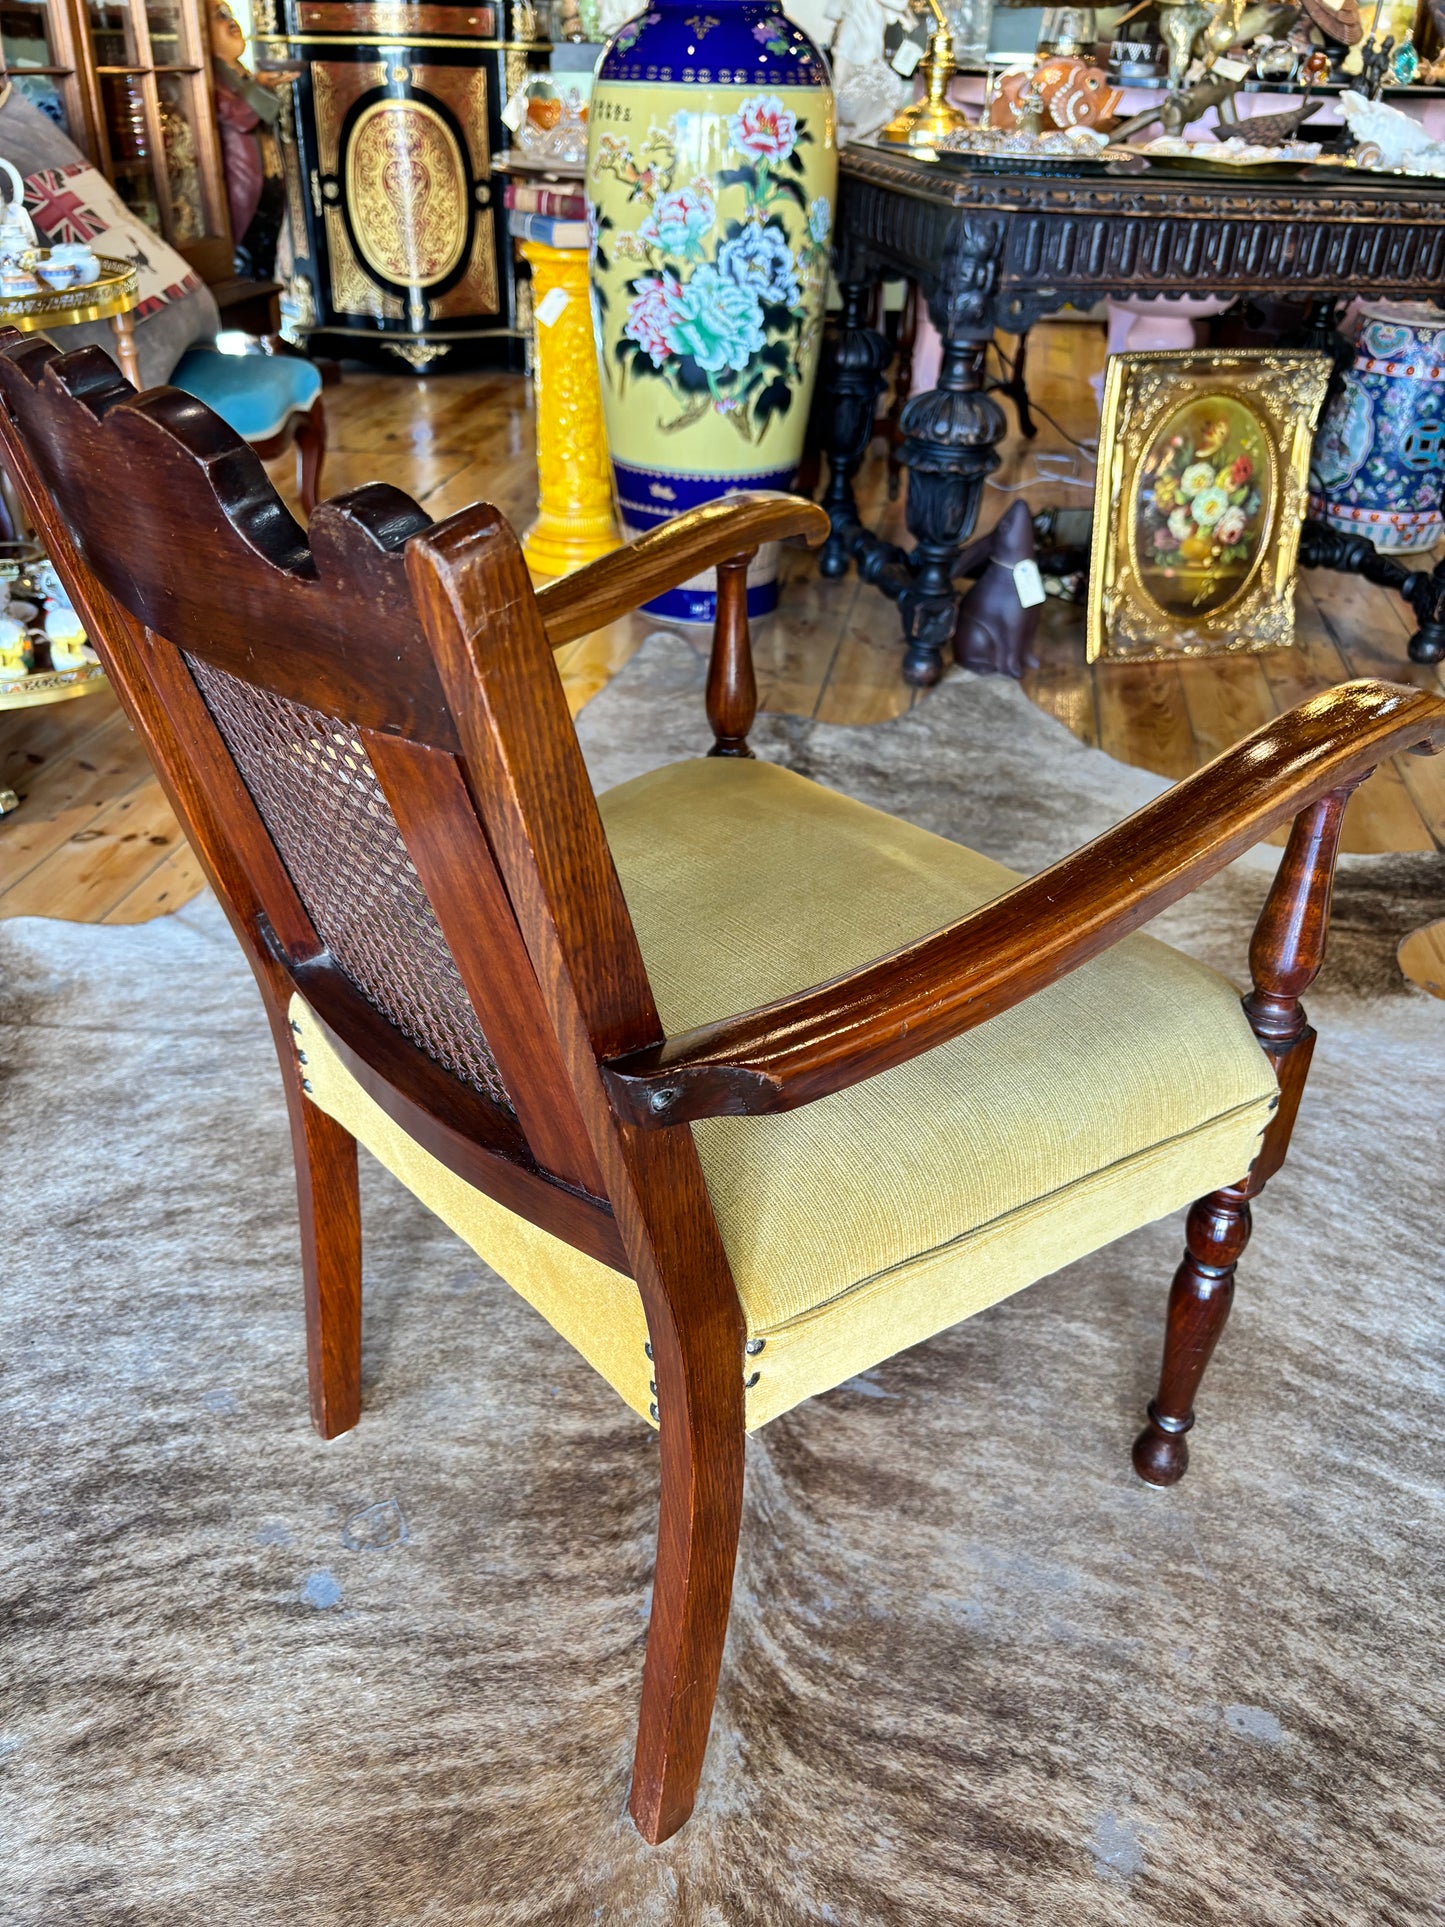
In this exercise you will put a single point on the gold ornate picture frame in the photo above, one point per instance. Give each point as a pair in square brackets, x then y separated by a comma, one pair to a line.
[1199, 499]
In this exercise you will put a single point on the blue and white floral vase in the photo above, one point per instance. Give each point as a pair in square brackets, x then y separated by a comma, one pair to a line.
[711, 175]
[1379, 457]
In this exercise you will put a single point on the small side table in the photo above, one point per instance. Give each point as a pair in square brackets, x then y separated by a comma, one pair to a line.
[575, 521]
[110, 298]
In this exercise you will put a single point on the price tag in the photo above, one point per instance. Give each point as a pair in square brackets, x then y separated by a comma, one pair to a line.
[1028, 583]
[907, 58]
[515, 111]
[549, 309]
[1237, 69]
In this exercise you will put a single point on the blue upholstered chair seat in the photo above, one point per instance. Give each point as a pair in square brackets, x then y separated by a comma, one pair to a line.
[254, 394]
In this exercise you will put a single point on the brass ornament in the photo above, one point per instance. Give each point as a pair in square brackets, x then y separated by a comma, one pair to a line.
[928, 121]
[1221, 578]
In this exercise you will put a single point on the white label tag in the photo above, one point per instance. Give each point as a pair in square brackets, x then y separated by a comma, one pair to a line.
[907, 58]
[549, 309]
[1237, 69]
[1028, 583]
[515, 111]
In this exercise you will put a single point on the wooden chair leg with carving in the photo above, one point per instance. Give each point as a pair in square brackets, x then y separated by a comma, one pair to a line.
[700, 1407]
[328, 1195]
[1285, 955]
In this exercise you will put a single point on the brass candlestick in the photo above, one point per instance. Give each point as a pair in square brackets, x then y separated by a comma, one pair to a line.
[925, 122]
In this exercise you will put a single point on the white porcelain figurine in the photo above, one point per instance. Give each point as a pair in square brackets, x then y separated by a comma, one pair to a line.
[16, 653]
[68, 646]
[17, 230]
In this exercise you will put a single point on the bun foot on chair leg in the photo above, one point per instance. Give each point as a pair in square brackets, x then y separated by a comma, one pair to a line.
[1161, 1453]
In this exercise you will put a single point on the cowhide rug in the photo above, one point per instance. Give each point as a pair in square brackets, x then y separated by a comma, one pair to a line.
[976, 1673]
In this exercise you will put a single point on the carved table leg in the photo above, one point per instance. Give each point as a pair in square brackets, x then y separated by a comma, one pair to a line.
[948, 449]
[854, 359]
[1322, 547]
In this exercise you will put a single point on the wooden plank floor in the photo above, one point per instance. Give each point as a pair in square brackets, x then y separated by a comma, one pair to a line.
[94, 841]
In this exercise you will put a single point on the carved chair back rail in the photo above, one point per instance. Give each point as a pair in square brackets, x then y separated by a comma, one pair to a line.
[364, 733]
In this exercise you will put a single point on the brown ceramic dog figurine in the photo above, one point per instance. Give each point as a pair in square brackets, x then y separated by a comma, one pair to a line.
[995, 633]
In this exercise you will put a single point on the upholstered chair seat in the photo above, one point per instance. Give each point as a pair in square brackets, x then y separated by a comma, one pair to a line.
[881, 1214]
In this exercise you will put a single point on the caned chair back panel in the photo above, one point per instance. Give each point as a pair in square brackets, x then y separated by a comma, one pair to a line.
[318, 795]
[307, 656]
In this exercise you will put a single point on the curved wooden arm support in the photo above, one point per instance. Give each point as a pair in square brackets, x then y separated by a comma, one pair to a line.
[667, 556]
[835, 1034]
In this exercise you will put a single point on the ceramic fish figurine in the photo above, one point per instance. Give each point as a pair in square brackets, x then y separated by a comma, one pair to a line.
[17, 653]
[1074, 94]
[68, 646]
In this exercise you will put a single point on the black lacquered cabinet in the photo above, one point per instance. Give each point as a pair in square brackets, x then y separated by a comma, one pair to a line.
[397, 238]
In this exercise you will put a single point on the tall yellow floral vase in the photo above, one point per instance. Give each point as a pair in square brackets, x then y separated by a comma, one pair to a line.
[711, 174]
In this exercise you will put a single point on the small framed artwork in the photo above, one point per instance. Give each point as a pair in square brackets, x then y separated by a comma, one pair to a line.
[1200, 495]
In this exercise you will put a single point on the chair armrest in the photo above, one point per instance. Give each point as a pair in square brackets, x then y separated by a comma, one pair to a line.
[835, 1034]
[666, 556]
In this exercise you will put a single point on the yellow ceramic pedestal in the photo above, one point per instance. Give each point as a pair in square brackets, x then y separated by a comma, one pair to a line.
[575, 520]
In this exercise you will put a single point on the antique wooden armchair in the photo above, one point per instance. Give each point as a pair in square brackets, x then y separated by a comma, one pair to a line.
[914, 1082]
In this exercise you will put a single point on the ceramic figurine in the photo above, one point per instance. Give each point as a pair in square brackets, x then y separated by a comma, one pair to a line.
[1379, 450]
[68, 646]
[996, 623]
[17, 655]
[48, 584]
[248, 116]
[1073, 93]
[17, 230]
[711, 176]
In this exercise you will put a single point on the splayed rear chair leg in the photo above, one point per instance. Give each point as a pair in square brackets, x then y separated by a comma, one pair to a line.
[697, 1541]
[329, 1200]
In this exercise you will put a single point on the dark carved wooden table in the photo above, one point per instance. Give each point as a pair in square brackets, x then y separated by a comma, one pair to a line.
[1000, 251]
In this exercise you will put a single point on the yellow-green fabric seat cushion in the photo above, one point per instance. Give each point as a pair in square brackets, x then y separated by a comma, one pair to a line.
[746, 882]
[872, 1218]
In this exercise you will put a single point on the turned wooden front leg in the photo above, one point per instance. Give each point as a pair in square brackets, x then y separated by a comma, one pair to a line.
[732, 689]
[1199, 1302]
[1285, 955]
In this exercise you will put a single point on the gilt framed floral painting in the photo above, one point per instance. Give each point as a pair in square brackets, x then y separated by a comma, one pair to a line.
[1199, 499]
